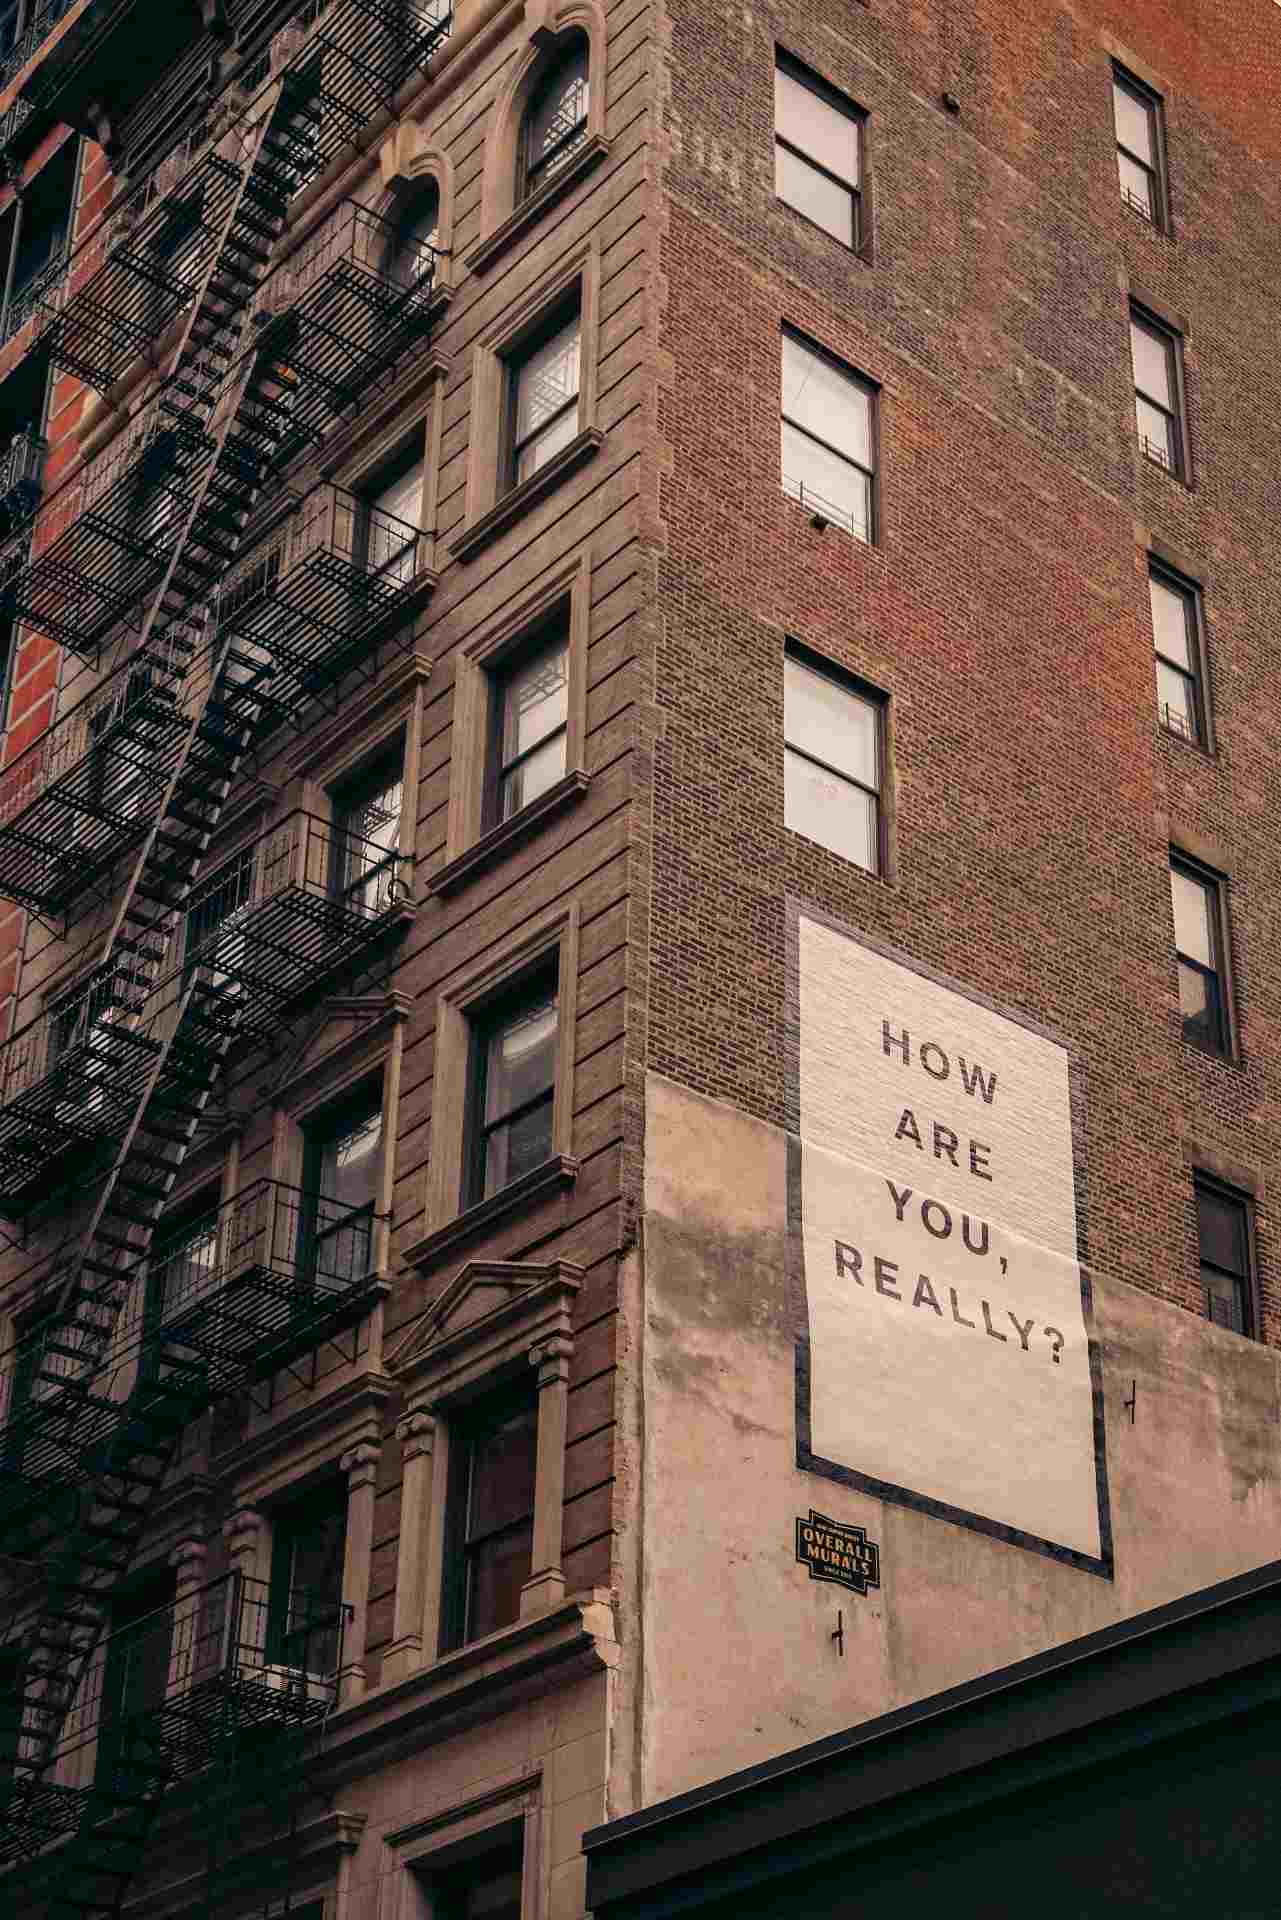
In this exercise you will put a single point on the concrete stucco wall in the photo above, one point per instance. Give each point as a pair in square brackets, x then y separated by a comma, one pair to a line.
[739, 1660]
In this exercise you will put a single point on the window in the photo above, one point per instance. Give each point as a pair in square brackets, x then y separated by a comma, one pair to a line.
[490, 1516]
[214, 936]
[415, 229]
[304, 1606]
[395, 491]
[35, 238]
[514, 1047]
[555, 124]
[817, 151]
[1198, 942]
[1176, 626]
[486, 1889]
[365, 864]
[182, 1272]
[544, 385]
[135, 1678]
[832, 761]
[1155, 353]
[530, 722]
[1138, 146]
[828, 456]
[502, 1122]
[1225, 1241]
[342, 1182]
[12, 1708]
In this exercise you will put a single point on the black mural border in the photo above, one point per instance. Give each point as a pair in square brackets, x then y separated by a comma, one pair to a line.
[798, 1302]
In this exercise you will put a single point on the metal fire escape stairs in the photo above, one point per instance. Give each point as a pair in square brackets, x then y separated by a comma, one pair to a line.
[82, 1461]
[86, 1540]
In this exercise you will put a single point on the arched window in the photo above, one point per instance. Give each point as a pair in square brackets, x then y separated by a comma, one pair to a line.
[414, 231]
[556, 119]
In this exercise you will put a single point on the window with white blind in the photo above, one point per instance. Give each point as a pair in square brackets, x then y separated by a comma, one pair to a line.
[828, 438]
[832, 761]
[1154, 351]
[818, 151]
[1176, 640]
[1136, 112]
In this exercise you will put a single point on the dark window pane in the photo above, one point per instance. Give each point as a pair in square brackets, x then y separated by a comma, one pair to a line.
[503, 1459]
[1221, 1230]
[1224, 1301]
[518, 1146]
[503, 1451]
[522, 1059]
[366, 842]
[493, 1897]
[499, 1570]
[307, 1575]
[547, 400]
[351, 1162]
[1199, 1000]
[416, 232]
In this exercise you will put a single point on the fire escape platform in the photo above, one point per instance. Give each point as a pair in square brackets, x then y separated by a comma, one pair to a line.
[81, 1107]
[115, 538]
[85, 791]
[337, 585]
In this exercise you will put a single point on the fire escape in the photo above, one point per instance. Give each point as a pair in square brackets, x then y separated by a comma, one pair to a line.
[208, 642]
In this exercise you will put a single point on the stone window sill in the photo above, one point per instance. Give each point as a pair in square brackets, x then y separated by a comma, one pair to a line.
[519, 1662]
[560, 1171]
[479, 534]
[500, 840]
[530, 211]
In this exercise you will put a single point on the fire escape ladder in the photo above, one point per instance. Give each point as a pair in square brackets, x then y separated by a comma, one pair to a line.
[101, 1390]
[110, 1448]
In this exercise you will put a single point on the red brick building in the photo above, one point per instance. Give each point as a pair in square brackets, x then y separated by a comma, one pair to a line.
[642, 737]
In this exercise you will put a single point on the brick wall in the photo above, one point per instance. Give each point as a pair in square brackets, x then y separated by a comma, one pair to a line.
[1004, 609]
[34, 670]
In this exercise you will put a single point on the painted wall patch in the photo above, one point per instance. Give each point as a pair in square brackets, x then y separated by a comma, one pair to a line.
[944, 1350]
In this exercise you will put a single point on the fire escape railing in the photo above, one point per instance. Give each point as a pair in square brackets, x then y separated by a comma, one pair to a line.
[309, 603]
[22, 475]
[301, 903]
[40, 24]
[81, 794]
[305, 607]
[113, 1083]
[102, 542]
[152, 1699]
[238, 1295]
[341, 319]
[343, 311]
[286, 913]
[133, 274]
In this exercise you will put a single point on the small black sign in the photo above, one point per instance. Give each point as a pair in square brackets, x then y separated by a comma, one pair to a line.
[833, 1551]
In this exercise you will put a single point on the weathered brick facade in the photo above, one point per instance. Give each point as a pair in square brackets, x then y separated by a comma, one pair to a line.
[1004, 608]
